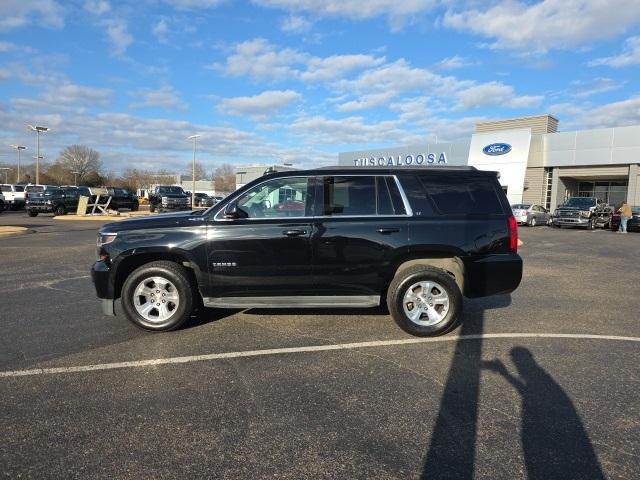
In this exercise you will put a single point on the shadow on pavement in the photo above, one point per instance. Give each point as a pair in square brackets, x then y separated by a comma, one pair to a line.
[554, 440]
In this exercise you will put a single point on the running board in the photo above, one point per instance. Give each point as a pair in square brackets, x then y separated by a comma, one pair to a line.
[360, 301]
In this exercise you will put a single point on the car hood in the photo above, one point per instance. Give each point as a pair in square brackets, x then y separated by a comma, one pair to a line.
[162, 220]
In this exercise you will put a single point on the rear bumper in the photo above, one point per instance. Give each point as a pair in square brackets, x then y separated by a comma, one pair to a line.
[492, 274]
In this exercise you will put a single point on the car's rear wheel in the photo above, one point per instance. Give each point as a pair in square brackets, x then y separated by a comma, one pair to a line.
[152, 207]
[532, 223]
[424, 301]
[32, 213]
[60, 210]
[135, 206]
[158, 296]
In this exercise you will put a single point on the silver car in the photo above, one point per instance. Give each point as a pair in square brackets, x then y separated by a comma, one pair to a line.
[531, 214]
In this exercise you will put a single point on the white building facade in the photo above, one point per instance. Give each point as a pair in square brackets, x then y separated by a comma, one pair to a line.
[536, 163]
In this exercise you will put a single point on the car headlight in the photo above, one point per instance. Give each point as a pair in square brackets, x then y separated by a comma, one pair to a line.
[105, 238]
[585, 213]
[48, 202]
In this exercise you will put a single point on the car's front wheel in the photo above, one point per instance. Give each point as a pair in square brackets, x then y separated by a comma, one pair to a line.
[532, 223]
[32, 213]
[424, 301]
[158, 296]
[60, 210]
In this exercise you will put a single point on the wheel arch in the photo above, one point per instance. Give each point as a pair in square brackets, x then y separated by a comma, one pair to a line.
[444, 259]
[131, 261]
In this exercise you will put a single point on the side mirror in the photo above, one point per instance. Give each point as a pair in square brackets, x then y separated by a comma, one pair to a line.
[232, 212]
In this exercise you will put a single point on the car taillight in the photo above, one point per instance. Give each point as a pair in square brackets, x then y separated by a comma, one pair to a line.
[513, 234]
[26, 195]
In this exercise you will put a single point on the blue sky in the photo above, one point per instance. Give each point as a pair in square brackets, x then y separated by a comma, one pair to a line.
[272, 81]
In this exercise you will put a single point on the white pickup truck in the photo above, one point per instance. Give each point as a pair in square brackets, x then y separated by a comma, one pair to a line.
[14, 196]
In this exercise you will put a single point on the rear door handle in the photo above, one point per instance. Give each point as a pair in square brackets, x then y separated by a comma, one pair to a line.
[294, 233]
[387, 230]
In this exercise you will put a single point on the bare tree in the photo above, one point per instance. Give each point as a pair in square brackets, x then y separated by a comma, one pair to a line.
[81, 159]
[201, 172]
[224, 178]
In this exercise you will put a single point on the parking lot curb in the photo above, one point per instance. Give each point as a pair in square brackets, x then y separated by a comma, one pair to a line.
[6, 231]
[99, 218]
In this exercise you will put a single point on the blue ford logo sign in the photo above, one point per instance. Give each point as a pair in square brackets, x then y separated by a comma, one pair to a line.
[497, 149]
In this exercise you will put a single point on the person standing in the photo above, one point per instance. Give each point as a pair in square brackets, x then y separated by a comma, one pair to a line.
[625, 215]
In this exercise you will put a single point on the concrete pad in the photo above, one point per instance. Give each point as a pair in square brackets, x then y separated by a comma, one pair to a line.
[6, 231]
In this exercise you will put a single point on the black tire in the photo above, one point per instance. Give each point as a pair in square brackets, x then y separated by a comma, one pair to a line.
[32, 213]
[591, 225]
[2, 206]
[180, 280]
[152, 207]
[532, 223]
[60, 210]
[419, 273]
[135, 206]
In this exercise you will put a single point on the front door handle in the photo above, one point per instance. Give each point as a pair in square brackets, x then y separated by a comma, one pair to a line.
[294, 233]
[387, 230]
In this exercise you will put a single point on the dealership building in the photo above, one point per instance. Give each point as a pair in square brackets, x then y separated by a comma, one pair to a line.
[537, 164]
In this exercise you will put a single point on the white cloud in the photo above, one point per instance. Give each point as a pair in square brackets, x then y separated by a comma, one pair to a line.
[97, 7]
[71, 94]
[7, 47]
[545, 25]
[333, 68]
[625, 112]
[259, 106]
[332, 131]
[583, 89]
[164, 97]
[261, 60]
[453, 63]
[118, 35]
[295, 24]
[366, 101]
[194, 4]
[398, 12]
[494, 93]
[629, 56]
[20, 13]
[160, 30]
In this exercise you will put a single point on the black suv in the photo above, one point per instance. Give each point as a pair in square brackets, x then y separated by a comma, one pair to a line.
[168, 197]
[417, 240]
[56, 200]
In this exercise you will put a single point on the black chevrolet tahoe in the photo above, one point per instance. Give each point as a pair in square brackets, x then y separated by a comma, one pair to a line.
[56, 200]
[415, 240]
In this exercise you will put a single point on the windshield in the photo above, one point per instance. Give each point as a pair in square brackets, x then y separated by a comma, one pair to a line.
[53, 191]
[581, 202]
[35, 189]
[171, 190]
[521, 206]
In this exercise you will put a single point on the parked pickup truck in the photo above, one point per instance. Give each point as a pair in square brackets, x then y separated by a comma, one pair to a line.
[414, 240]
[13, 195]
[577, 212]
[56, 200]
[168, 197]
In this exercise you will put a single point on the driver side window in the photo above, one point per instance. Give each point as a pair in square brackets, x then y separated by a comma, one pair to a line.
[277, 198]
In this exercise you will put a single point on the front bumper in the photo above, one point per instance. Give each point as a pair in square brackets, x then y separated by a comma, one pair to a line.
[101, 276]
[41, 208]
[571, 221]
[492, 274]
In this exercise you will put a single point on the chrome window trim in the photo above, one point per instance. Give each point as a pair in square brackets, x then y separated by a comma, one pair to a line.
[405, 201]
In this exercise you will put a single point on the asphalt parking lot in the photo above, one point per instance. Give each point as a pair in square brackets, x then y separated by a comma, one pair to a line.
[543, 383]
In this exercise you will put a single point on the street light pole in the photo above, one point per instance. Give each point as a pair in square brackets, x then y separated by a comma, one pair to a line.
[38, 129]
[193, 171]
[75, 178]
[18, 148]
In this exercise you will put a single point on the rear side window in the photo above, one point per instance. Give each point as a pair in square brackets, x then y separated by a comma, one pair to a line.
[19, 188]
[5, 188]
[361, 196]
[462, 195]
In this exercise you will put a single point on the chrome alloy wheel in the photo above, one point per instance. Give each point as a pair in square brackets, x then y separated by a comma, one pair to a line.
[156, 299]
[426, 303]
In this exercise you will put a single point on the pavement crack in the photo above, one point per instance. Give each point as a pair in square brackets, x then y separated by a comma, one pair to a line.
[399, 365]
[50, 283]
